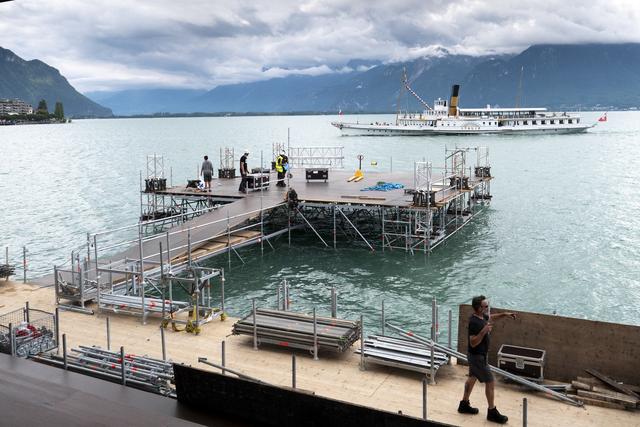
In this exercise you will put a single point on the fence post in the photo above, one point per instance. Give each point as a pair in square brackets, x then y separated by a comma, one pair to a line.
[433, 339]
[293, 370]
[64, 351]
[164, 347]
[58, 329]
[334, 302]
[424, 399]
[278, 298]
[122, 367]
[24, 264]
[255, 326]
[223, 357]
[315, 335]
[26, 312]
[524, 412]
[223, 280]
[362, 365]
[108, 333]
[383, 319]
[11, 339]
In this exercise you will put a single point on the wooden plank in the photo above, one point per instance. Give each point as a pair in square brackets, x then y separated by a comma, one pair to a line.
[213, 246]
[633, 387]
[617, 386]
[580, 386]
[364, 197]
[608, 392]
[233, 240]
[601, 403]
[623, 401]
[590, 381]
[246, 233]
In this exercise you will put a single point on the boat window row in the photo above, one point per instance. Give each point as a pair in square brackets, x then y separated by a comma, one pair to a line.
[541, 122]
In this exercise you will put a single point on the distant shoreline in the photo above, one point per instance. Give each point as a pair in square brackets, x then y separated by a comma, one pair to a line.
[297, 113]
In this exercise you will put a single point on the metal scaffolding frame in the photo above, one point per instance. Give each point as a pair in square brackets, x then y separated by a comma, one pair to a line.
[144, 284]
[227, 158]
[445, 199]
[326, 157]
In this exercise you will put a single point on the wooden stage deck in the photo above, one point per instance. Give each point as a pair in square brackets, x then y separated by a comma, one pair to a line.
[216, 231]
[337, 189]
[335, 376]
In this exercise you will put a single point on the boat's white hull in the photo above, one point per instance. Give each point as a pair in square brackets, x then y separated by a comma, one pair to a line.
[354, 129]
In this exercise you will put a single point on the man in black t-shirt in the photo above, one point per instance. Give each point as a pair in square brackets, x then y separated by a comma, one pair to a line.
[478, 346]
[244, 171]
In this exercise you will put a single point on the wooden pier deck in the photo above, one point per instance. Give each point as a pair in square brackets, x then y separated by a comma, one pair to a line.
[337, 189]
[221, 230]
[335, 376]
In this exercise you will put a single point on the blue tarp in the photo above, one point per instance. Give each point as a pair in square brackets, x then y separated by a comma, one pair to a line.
[384, 186]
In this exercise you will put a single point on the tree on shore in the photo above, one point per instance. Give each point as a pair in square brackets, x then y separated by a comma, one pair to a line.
[42, 107]
[58, 113]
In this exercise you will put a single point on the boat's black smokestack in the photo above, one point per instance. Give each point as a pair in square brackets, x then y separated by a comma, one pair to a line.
[453, 102]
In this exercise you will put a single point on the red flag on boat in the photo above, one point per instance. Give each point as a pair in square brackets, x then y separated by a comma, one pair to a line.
[603, 118]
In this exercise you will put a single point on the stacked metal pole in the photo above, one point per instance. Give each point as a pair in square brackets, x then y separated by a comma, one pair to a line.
[289, 329]
[417, 338]
[128, 369]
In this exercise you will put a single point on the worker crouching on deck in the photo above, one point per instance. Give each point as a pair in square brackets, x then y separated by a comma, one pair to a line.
[282, 164]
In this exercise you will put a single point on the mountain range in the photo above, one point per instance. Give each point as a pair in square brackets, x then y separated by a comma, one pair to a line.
[562, 77]
[34, 80]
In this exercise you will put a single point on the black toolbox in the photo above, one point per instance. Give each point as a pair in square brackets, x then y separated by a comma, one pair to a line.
[255, 181]
[522, 361]
[317, 174]
[227, 173]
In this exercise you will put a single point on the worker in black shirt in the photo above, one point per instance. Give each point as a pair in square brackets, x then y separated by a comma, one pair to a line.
[244, 172]
[479, 328]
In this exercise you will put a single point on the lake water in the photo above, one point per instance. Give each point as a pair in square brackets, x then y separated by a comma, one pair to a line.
[562, 233]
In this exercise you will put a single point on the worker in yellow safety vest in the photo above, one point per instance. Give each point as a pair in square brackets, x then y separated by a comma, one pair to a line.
[282, 162]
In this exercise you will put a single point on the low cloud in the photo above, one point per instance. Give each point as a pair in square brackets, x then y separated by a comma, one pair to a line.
[200, 44]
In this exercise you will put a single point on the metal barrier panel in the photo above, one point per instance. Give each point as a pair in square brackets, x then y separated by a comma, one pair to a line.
[254, 402]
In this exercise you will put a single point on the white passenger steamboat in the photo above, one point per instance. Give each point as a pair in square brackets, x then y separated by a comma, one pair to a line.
[445, 118]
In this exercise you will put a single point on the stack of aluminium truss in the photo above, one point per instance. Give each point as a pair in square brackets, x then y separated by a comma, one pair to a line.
[141, 372]
[402, 353]
[134, 304]
[296, 330]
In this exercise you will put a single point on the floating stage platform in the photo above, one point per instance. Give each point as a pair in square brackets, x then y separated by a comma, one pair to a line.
[136, 267]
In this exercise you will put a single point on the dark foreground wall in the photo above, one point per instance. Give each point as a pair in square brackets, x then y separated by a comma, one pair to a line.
[265, 404]
[572, 345]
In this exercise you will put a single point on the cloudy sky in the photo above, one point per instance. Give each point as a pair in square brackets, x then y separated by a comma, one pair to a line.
[118, 44]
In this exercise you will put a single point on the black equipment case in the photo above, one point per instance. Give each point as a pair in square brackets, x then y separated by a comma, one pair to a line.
[317, 174]
[522, 361]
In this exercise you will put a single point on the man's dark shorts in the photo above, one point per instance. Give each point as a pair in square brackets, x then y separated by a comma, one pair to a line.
[479, 367]
[207, 177]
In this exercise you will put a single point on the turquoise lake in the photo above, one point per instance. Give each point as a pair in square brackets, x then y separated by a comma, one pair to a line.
[562, 234]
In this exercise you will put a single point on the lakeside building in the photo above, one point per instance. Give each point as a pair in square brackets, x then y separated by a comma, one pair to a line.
[14, 107]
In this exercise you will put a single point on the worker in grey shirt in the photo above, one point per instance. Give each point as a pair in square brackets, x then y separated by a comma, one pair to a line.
[207, 173]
